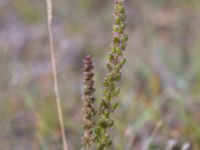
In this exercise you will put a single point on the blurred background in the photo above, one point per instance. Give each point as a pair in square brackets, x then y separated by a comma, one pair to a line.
[160, 88]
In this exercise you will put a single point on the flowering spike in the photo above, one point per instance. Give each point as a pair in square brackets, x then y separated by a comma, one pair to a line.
[88, 110]
[114, 65]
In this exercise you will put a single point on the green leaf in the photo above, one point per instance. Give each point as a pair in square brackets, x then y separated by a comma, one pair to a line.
[125, 38]
[116, 39]
[116, 92]
[118, 76]
[122, 62]
[114, 106]
[117, 20]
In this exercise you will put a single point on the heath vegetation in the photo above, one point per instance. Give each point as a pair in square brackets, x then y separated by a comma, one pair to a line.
[125, 75]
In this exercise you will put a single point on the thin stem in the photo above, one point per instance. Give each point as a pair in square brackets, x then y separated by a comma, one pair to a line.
[55, 78]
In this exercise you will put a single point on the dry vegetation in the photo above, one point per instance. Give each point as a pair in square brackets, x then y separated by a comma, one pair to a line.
[159, 103]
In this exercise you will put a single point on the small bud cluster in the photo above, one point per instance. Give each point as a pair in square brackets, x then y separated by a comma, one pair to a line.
[114, 66]
[88, 99]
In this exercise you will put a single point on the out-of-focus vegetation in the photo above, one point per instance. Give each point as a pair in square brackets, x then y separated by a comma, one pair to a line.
[160, 94]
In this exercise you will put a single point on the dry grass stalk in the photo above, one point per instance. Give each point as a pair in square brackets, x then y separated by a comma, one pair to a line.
[55, 79]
